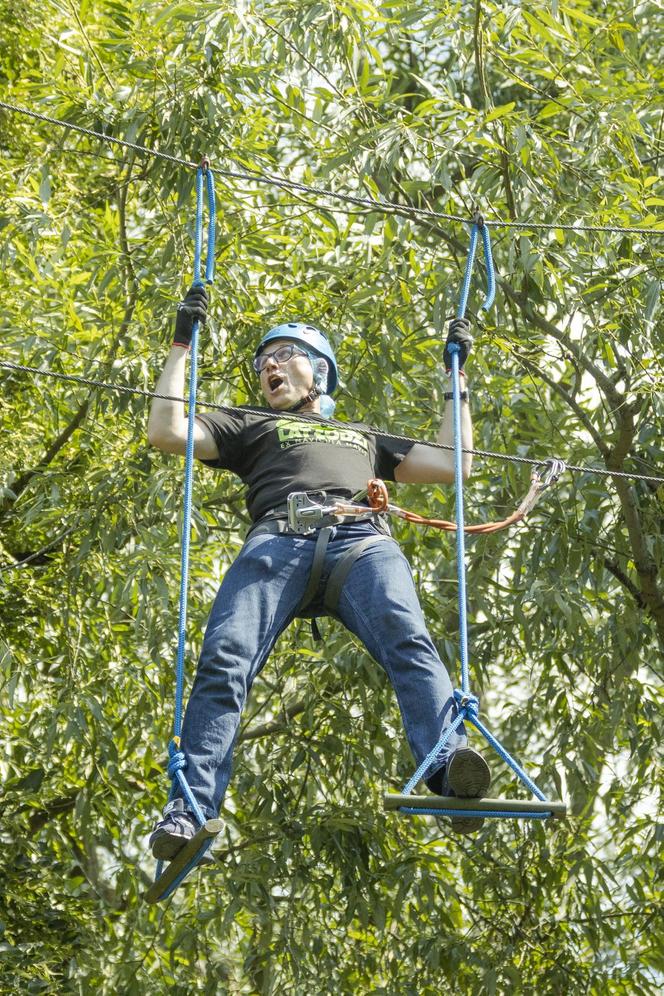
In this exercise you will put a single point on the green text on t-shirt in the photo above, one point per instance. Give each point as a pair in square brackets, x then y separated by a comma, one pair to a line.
[291, 433]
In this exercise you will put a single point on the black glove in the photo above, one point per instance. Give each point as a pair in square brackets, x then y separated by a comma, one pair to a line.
[460, 334]
[193, 307]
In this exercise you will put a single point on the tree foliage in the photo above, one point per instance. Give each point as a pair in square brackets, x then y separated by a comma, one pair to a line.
[540, 112]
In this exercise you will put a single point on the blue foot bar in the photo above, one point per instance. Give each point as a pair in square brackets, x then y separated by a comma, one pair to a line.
[440, 805]
[463, 813]
[167, 881]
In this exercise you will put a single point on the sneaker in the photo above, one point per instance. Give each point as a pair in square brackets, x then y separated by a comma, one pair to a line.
[468, 777]
[173, 831]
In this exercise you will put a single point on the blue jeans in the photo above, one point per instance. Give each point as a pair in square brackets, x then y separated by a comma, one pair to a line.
[259, 597]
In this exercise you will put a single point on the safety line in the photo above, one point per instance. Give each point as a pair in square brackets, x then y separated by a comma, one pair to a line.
[177, 763]
[388, 207]
[302, 417]
[204, 180]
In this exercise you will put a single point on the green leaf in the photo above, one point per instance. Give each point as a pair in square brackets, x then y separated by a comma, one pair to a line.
[499, 112]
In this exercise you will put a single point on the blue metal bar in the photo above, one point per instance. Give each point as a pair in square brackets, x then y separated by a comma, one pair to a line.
[468, 272]
[490, 272]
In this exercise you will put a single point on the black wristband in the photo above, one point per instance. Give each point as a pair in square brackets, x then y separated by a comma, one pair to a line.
[449, 395]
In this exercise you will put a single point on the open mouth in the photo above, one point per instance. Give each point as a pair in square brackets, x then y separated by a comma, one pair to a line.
[274, 382]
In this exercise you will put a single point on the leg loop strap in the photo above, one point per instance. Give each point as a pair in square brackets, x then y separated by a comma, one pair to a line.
[317, 565]
[337, 578]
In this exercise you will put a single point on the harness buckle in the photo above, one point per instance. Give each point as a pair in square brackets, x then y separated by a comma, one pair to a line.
[309, 511]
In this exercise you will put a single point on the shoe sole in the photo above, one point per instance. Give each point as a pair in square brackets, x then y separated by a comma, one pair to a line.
[166, 847]
[468, 775]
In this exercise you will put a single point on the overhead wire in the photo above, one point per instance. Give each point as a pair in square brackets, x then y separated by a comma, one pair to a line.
[380, 205]
[299, 416]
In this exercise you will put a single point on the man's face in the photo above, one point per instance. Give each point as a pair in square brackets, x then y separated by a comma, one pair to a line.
[284, 384]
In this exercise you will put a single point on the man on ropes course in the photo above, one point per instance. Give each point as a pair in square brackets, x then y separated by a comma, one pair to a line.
[352, 569]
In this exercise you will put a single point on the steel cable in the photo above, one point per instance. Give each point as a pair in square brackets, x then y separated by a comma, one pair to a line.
[387, 207]
[366, 430]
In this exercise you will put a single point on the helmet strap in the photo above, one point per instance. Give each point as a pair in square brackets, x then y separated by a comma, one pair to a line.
[320, 382]
[314, 393]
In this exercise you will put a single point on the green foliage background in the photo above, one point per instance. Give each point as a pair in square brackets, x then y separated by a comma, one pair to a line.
[544, 111]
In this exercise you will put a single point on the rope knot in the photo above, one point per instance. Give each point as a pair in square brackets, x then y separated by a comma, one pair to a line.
[468, 704]
[177, 762]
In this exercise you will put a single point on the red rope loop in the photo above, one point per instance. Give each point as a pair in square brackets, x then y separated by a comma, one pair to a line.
[377, 495]
[378, 499]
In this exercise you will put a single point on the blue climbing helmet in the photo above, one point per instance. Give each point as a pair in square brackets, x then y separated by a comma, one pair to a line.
[312, 339]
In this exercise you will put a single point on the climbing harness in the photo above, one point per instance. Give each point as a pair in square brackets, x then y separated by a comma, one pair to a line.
[167, 880]
[307, 512]
[467, 703]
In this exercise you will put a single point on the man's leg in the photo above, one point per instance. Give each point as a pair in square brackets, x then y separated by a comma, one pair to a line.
[257, 599]
[379, 604]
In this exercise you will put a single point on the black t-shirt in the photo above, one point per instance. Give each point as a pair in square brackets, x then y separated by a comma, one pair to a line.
[275, 456]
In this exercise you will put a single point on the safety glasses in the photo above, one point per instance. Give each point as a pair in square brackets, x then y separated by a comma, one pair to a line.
[281, 355]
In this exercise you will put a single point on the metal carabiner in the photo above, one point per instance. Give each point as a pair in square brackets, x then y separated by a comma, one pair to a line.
[555, 466]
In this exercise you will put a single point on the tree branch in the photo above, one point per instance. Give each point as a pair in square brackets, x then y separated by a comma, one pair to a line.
[24, 558]
[274, 725]
[646, 567]
[613, 396]
[620, 575]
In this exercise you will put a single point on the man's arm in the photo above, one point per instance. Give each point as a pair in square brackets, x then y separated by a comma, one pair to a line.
[425, 465]
[167, 425]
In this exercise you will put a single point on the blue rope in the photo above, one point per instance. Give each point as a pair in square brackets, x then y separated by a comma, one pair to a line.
[189, 452]
[436, 757]
[460, 534]
[463, 813]
[516, 768]
[468, 273]
[177, 761]
[467, 704]
[458, 454]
